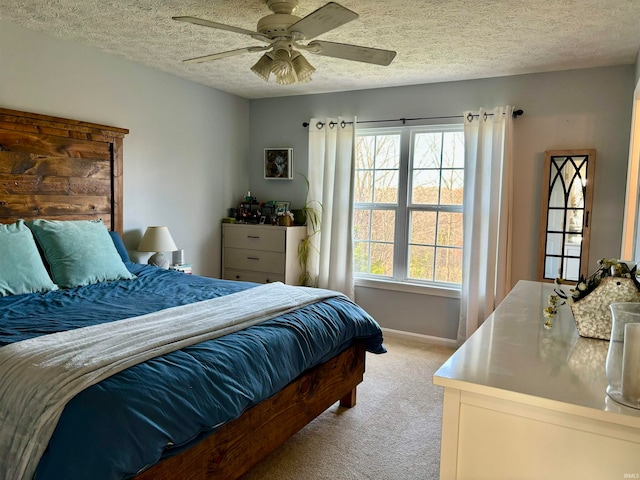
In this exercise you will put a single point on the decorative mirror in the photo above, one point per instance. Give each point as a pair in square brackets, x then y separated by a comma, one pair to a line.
[567, 192]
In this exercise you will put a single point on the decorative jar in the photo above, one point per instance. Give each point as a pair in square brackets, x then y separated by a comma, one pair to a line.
[623, 356]
[285, 220]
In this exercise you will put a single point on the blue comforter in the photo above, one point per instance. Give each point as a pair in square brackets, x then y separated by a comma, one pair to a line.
[125, 423]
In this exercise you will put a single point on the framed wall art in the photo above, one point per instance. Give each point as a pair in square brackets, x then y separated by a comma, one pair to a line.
[278, 163]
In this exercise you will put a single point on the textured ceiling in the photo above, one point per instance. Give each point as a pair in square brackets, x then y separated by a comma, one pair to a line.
[436, 40]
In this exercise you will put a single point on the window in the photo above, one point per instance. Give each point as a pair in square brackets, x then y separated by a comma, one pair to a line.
[408, 204]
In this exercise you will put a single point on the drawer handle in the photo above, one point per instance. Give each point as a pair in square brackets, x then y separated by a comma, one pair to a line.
[253, 236]
[253, 258]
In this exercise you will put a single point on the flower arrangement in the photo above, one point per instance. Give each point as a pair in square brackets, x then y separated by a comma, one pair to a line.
[608, 267]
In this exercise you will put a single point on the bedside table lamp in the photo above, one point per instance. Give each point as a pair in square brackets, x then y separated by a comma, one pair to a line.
[157, 239]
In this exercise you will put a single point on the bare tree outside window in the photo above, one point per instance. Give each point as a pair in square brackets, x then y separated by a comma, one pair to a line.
[408, 204]
[376, 194]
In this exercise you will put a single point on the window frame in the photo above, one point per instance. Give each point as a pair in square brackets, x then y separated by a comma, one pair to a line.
[400, 279]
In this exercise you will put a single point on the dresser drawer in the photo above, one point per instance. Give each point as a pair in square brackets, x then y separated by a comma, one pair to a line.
[268, 239]
[256, 277]
[261, 253]
[254, 260]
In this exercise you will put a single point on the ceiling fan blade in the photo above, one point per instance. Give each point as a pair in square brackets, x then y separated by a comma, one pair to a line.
[230, 53]
[221, 26]
[352, 52]
[326, 18]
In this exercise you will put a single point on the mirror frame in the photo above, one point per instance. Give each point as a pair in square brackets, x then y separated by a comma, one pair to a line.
[630, 242]
[548, 176]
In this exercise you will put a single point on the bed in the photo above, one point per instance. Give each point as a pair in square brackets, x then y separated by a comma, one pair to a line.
[245, 392]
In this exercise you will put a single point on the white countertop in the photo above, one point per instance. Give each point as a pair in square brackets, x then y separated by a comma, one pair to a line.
[514, 353]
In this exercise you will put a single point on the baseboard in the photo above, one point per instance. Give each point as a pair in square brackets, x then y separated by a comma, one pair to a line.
[418, 337]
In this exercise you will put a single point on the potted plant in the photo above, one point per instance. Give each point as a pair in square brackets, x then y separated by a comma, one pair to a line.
[312, 212]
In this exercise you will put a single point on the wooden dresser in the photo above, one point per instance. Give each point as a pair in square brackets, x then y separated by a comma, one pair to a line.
[525, 402]
[261, 253]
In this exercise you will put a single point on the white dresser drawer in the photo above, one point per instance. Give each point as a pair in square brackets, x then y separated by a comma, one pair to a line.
[261, 253]
[268, 239]
[254, 260]
[257, 277]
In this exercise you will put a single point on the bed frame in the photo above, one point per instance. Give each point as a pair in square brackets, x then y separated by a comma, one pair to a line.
[59, 169]
[62, 169]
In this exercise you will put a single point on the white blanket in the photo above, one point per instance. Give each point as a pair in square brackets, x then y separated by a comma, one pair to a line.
[39, 376]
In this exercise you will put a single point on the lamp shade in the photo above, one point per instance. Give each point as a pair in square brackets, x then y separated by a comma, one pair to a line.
[262, 68]
[157, 239]
[302, 67]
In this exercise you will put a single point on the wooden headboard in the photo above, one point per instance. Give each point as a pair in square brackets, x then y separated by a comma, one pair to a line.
[59, 169]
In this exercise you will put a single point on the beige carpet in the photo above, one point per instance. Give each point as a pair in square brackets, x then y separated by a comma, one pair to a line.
[392, 433]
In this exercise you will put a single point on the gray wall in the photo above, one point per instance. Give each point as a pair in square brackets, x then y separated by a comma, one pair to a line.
[185, 155]
[588, 108]
[194, 151]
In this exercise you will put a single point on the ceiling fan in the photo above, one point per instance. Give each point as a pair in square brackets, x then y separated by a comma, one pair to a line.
[283, 31]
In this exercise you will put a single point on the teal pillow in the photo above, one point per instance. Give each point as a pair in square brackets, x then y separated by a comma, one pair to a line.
[21, 267]
[79, 252]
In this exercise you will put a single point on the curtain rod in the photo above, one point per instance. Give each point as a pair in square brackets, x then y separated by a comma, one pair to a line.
[516, 114]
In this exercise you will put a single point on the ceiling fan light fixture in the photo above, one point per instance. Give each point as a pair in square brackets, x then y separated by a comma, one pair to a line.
[263, 66]
[286, 78]
[281, 63]
[302, 67]
[282, 31]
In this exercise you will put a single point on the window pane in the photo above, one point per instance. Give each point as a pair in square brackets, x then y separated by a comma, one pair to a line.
[571, 269]
[361, 230]
[574, 220]
[423, 228]
[387, 154]
[421, 190]
[555, 219]
[364, 186]
[383, 225]
[450, 229]
[449, 265]
[426, 184]
[427, 150]
[365, 148]
[386, 186]
[421, 262]
[554, 244]
[361, 257]
[551, 267]
[452, 187]
[382, 259]
[556, 195]
[453, 150]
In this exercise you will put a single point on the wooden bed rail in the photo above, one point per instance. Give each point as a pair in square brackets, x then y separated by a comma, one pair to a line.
[239, 445]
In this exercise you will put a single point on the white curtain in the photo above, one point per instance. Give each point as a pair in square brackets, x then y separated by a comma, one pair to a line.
[487, 215]
[331, 172]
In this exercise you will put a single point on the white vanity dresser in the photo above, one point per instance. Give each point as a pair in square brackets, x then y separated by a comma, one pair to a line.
[525, 402]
